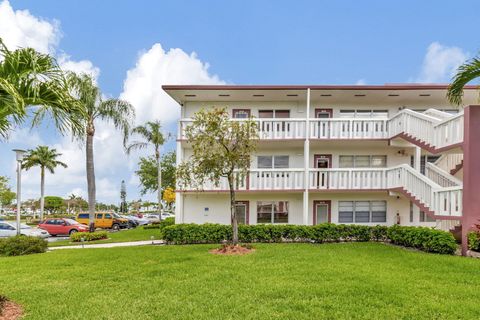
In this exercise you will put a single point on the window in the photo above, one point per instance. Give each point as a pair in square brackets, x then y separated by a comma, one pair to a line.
[362, 211]
[241, 113]
[108, 216]
[99, 216]
[345, 211]
[83, 216]
[272, 212]
[50, 222]
[272, 162]
[363, 161]
[274, 113]
[425, 217]
[360, 113]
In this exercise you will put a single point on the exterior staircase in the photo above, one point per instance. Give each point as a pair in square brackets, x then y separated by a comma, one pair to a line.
[432, 130]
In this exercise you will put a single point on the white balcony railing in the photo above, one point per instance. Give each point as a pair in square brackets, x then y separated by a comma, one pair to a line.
[439, 199]
[268, 129]
[429, 127]
[348, 128]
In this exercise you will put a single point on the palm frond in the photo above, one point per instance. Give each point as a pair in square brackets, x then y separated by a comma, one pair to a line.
[465, 73]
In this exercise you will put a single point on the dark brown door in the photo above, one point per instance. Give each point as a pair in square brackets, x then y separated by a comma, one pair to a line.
[322, 161]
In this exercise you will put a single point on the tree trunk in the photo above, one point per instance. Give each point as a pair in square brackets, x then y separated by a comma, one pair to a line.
[233, 213]
[159, 194]
[90, 181]
[42, 192]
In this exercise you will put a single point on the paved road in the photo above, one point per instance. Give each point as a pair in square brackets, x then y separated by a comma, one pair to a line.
[111, 245]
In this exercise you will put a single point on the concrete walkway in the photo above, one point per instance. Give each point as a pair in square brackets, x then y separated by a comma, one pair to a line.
[111, 245]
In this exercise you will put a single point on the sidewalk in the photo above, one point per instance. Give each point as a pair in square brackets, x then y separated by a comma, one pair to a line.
[111, 245]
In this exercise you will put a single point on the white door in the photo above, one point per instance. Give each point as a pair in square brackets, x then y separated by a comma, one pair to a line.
[241, 213]
[321, 211]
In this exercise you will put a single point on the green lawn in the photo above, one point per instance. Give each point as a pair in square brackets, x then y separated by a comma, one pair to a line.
[137, 234]
[278, 281]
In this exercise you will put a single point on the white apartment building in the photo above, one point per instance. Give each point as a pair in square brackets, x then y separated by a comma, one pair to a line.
[373, 155]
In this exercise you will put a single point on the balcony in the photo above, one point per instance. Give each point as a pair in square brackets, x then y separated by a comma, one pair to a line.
[427, 194]
[427, 130]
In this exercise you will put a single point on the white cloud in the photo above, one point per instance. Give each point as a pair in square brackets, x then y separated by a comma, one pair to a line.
[142, 88]
[156, 67]
[361, 82]
[21, 29]
[82, 66]
[440, 63]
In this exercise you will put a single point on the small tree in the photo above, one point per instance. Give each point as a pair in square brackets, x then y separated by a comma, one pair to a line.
[222, 149]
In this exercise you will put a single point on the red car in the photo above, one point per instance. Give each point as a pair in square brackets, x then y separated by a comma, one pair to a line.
[56, 226]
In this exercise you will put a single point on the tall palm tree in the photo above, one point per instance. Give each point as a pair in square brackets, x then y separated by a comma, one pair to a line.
[467, 72]
[152, 137]
[93, 108]
[31, 79]
[45, 158]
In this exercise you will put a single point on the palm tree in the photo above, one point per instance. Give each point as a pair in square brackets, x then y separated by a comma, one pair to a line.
[93, 107]
[45, 158]
[29, 78]
[152, 136]
[467, 72]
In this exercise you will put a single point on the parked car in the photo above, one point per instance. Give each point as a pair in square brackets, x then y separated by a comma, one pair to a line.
[139, 221]
[9, 229]
[57, 226]
[104, 220]
[132, 223]
[153, 217]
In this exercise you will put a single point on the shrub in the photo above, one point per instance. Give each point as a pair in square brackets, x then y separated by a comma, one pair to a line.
[161, 224]
[425, 239]
[474, 240]
[22, 245]
[88, 236]
[422, 238]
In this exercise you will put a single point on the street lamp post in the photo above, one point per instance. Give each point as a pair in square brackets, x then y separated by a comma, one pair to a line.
[19, 156]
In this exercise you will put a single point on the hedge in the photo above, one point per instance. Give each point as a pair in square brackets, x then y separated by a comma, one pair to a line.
[474, 240]
[88, 236]
[425, 239]
[161, 224]
[22, 245]
[422, 238]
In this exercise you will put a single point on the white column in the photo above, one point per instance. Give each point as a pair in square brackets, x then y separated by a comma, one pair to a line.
[416, 166]
[178, 195]
[306, 155]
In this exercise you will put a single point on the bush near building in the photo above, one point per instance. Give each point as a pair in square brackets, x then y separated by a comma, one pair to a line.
[426, 239]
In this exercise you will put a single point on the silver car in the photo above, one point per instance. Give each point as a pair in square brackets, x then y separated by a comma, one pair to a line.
[9, 229]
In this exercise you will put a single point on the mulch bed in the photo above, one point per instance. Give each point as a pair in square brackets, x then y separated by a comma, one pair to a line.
[9, 310]
[232, 250]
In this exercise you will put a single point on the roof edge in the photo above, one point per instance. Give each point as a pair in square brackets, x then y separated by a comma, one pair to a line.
[406, 86]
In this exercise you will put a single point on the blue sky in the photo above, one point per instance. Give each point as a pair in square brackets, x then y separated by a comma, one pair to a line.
[243, 42]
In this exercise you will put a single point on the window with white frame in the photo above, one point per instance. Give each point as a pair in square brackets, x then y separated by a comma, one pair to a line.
[274, 114]
[362, 161]
[362, 211]
[272, 212]
[361, 113]
[272, 162]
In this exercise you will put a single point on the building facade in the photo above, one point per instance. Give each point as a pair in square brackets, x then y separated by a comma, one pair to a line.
[373, 155]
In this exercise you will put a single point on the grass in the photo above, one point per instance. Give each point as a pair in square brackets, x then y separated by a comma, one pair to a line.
[278, 281]
[137, 234]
